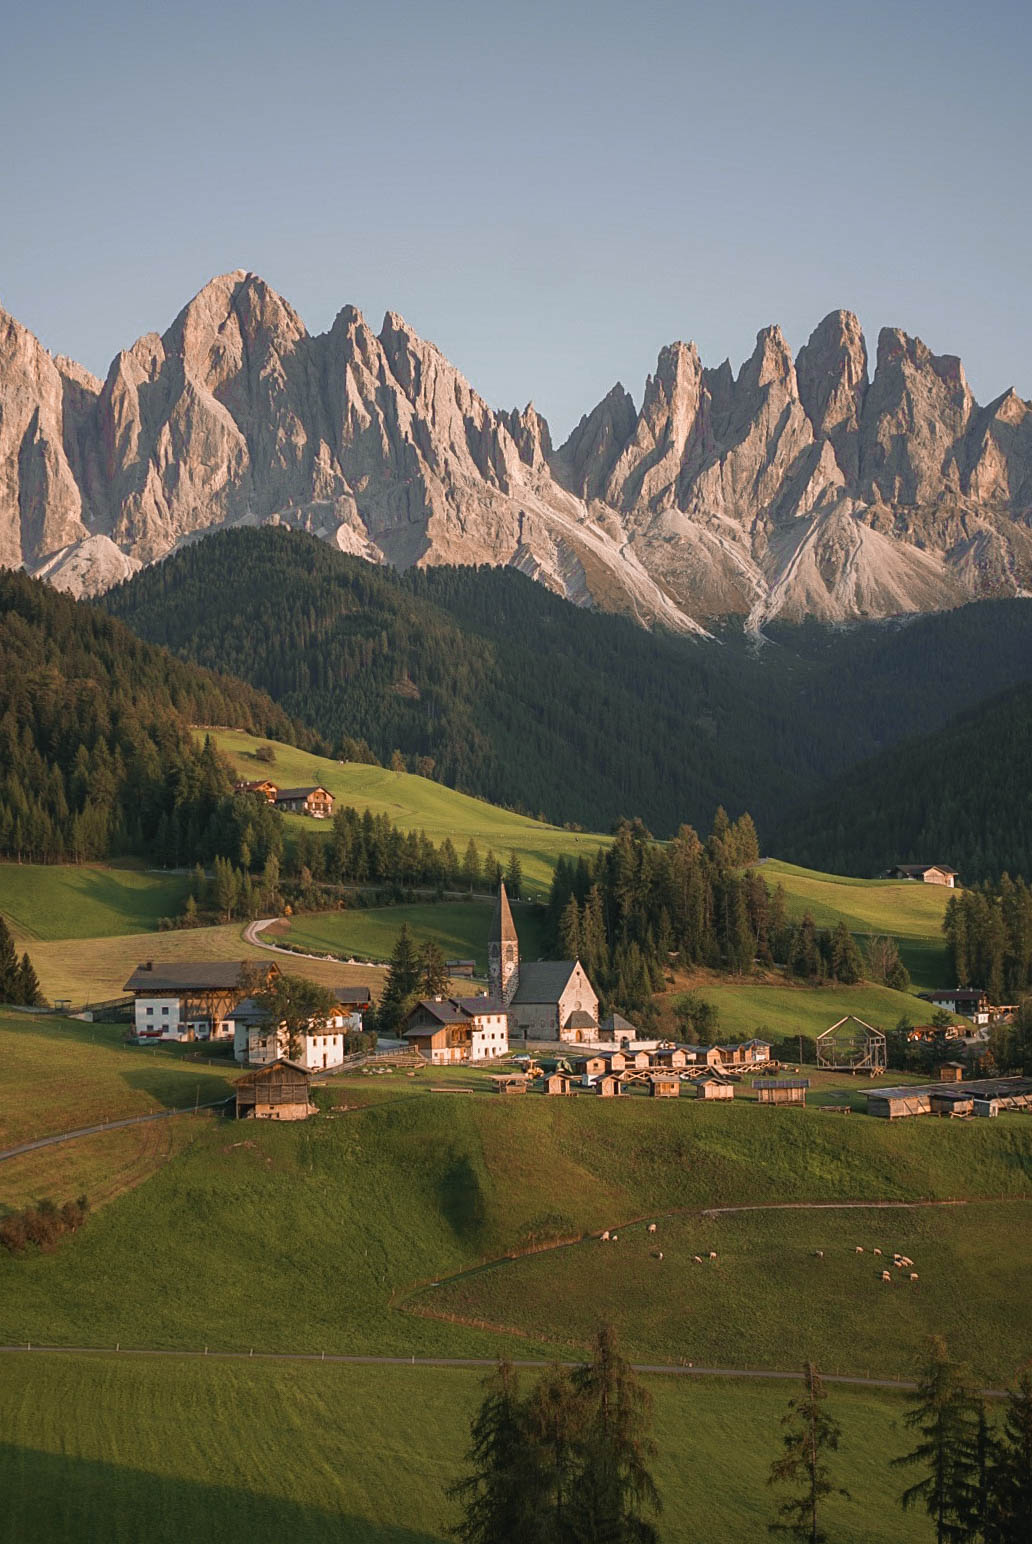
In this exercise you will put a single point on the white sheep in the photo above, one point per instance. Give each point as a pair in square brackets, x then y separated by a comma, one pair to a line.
[615, 1239]
[713, 1254]
[652, 1227]
[659, 1256]
[605, 1237]
[906, 1260]
[697, 1258]
[886, 1275]
[913, 1276]
[819, 1253]
[877, 1251]
[859, 1249]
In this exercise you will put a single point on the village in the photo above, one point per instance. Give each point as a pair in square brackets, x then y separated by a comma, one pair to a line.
[536, 1029]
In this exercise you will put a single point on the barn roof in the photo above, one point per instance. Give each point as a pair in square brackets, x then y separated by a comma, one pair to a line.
[282, 1063]
[781, 1082]
[190, 975]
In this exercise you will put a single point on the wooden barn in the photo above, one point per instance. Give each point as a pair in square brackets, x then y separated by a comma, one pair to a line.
[710, 1086]
[781, 1090]
[559, 1083]
[279, 1091]
[951, 1072]
[665, 1085]
[609, 1086]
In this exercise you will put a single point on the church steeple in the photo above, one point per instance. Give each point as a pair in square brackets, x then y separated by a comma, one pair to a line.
[503, 950]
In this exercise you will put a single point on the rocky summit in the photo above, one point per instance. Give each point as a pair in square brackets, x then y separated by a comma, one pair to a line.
[805, 487]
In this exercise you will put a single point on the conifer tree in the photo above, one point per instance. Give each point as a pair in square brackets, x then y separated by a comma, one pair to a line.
[8, 966]
[570, 931]
[402, 982]
[514, 875]
[471, 865]
[501, 1495]
[945, 1414]
[615, 1490]
[30, 994]
[810, 1433]
[847, 963]
[1010, 1503]
[433, 972]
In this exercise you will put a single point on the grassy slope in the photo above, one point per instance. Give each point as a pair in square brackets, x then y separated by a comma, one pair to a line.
[751, 1006]
[364, 1454]
[415, 803]
[912, 913]
[97, 970]
[58, 1075]
[461, 928]
[92, 901]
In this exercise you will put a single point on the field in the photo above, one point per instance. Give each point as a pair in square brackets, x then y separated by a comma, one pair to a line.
[460, 927]
[96, 970]
[46, 901]
[415, 804]
[911, 913]
[773, 1010]
[321, 1453]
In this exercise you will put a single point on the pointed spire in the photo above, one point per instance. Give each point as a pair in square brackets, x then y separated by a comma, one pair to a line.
[503, 928]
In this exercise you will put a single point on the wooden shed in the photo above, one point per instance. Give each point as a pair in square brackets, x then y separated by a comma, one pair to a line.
[711, 1087]
[781, 1090]
[559, 1083]
[510, 1082]
[951, 1072]
[665, 1085]
[279, 1091]
[609, 1086]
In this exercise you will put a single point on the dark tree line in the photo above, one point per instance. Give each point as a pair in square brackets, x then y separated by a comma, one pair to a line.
[19, 984]
[364, 848]
[96, 754]
[988, 932]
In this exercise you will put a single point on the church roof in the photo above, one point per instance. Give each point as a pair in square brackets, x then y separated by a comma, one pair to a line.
[544, 981]
[503, 928]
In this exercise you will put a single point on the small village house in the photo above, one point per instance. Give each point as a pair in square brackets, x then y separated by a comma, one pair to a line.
[279, 1091]
[925, 873]
[191, 999]
[591, 1066]
[781, 1090]
[665, 1085]
[987, 1096]
[449, 1030]
[968, 1001]
[315, 801]
[609, 1087]
[321, 1046]
[558, 1083]
[616, 1028]
[267, 790]
[950, 1072]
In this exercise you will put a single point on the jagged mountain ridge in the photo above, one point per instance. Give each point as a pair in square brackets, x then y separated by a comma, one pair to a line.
[805, 487]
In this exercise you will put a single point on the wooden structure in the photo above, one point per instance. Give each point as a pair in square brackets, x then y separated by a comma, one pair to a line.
[926, 873]
[672, 1056]
[665, 1085]
[851, 1045]
[192, 999]
[781, 1090]
[510, 1082]
[267, 790]
[591, 1066]
[316, 801]
[609, 1087]
[559, 1083]
[985, 1096]
[711, 1086]
[279, 1091]
[951, 1072]
[461, 967]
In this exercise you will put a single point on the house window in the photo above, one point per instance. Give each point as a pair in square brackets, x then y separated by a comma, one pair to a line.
[164, 1013]
[150, 1013]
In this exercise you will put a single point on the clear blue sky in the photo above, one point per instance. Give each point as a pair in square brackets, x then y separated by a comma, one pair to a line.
[549, 191]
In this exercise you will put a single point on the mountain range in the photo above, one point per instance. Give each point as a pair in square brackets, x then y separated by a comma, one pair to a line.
[806, 487]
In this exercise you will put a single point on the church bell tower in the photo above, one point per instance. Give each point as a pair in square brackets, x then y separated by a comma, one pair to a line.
[503, 951]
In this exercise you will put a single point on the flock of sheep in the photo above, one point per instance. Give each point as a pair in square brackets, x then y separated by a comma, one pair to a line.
[657, 1254]
[902, 1262]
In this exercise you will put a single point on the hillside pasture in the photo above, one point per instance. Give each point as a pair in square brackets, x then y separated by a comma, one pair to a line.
[780, 1009]
[59, 1075]
[90, 900]
[415, 804]
[371, 1450]
[461, 928]
[909, 912]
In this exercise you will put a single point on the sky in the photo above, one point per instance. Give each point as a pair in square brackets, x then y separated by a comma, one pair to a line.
[550, 192]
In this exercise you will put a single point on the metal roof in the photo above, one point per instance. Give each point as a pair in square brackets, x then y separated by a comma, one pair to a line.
[190, 975]
[301, 793]
[781, 1082]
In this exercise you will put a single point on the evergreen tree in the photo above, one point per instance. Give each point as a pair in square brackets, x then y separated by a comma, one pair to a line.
[615, 1489]
[945, 1414]
[810, 1433]
[434, 979]
[402, 983]
[570, 931]
[501, 1496]
[554, 1428]
[471, 872]
[8, 966]
[847, 963]
[1010, 1506]
[29, 993]
[514, 875]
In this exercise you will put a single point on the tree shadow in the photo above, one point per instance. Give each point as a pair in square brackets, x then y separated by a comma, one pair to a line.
[179, 1087]
[63, 1499]
[461, 1198]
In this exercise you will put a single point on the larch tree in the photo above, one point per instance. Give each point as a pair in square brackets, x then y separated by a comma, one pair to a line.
[810, 1434]
[1010, 1487]
[944, 1413]
[501, 1495]
[615, 1492]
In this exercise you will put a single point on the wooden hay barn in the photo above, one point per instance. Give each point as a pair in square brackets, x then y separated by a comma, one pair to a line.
[664, 1085]
[609, 1087]
[781, 1090]
[559, 1083]
[951, 1072]
[279, 1091]
[979, 1096]
[709, 1086]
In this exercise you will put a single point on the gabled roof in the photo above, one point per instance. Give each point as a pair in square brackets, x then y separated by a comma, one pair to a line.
[544, 981]
[191, 975]
[356, 996]
[503, 928]
[578, 1019]
[618, 1023]
[475, 1006]
[301, 793]
[444, 1010]
[259, 1073]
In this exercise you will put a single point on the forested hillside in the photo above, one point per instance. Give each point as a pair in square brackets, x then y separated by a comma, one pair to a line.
[526, 700]
[95, 751]
[959, 796]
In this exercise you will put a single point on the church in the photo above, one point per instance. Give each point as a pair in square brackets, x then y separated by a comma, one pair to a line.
[546, 999]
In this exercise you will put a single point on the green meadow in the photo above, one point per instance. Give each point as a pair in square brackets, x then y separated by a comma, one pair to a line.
[91, 900]
[751, 1007]
[255, 1452]
[460, 927]
[415, 804]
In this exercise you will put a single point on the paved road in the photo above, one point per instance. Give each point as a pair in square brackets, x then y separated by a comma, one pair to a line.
[252, 935]
[111, 1125]
[663, 1369]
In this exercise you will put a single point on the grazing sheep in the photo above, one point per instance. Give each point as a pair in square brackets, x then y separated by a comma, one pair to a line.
[819, 1253]
[877, 1251]
[658, 1254]
[615, 1240]
[886, 1275]
[697, 1258]
[652, 1227]
[713, 1254]
[906, 1260]
[913, 1276]
[859, 1249]
[605, 1237]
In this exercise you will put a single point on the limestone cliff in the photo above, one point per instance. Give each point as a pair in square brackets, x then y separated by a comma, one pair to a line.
[795, 487]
